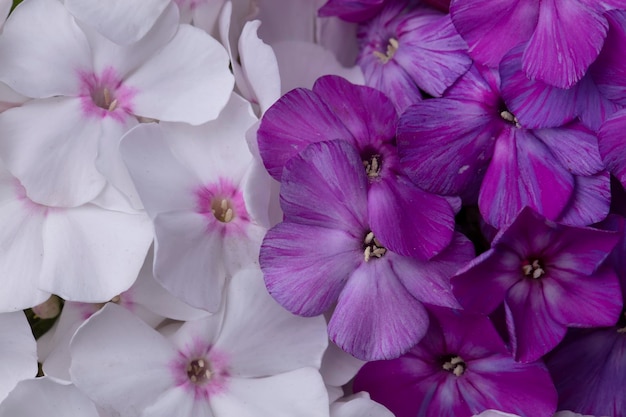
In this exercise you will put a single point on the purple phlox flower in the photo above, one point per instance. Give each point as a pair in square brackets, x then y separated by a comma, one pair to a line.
[461, 368]
[564, 36]
[352, 10]
[470, 143]
[549, 276]
[594, 98]
[403, 50]
[326, 254]
[366, 119]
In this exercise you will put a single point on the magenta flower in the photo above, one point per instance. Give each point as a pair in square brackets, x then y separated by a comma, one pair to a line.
[564, 36]
[549, 276]
[470, 143]
[459, 369]
[366, 119]
[404, 51]
[325, 254]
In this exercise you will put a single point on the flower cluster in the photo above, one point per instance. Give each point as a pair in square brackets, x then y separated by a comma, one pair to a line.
[313, 208]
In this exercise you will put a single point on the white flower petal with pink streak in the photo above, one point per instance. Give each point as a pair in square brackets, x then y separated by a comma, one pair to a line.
[126, 366]
[190, 181]
[47, 397]
[18, 352]
[121, 21]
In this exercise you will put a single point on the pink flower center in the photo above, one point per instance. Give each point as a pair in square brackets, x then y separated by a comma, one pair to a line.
[105, 95]
[201, 370]
[223, 206]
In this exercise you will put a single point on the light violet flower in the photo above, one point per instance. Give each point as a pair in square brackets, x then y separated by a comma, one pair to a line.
[252, 358]
[197, 186]
[366, 119]
[93, 92]
[549, 276]
[461, 368]
[325, 255]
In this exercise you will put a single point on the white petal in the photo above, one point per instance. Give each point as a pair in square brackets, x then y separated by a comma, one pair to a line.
[149, 293]
[10, 98]
[41, 38]
[47, 397]
[339, 367]
[301, 63]
[260, 337]
[298, 393]
[126, 58]
[121, 21]
[206, 14]
[92, 254]
[259, 66]
[21, 251]
[120, 362]
[288, 19]
[186, 81]
[261, 194]
[173, 402]
[188, 261]
[18, 351]
[358, 405]
[51, 147]
[5, 8]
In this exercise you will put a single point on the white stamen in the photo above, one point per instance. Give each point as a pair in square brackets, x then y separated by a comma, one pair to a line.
[113, 105]
[366, 254]
[369, 237]
[463, 169]
[228, 216]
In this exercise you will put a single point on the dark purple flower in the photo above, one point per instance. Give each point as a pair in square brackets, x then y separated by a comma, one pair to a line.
[403, 51]
[564, 36]
[459, 369]
[365, 118]
[612, 143]
[549, 276]
[324, 255]
[470, 143]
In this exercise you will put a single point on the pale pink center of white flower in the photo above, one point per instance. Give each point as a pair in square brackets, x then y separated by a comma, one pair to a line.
[188, 4]
[86, 310]
[201, 370]
[105, 95]
[223, 206]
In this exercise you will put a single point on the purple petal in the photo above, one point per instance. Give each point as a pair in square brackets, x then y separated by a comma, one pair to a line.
[612, 145]
[534, 103]
[574, 146]
[482, 284]
[445, 145]
[532, 329]
[608, 70]
[376, 317]
[523, 172]
[367, 113]
[303, 275]
[567, 39]
[592, 105]
[432, 51]
[326, 186]
[584, 300]
[479, 84]
[351, 11]
[493, 27]
[419, 233]
[296, 120]
[590, 202]
[429, 281]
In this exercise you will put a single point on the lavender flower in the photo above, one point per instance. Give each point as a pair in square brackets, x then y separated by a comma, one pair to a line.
[325, 254]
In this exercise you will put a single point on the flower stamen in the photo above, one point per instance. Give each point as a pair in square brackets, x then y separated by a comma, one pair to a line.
[509, 117]
[392, 47]
[199, 371]
[372, 166]
[455, 365]
[372, 247]
[533, 269]
[222, 210]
